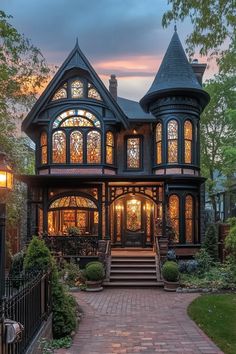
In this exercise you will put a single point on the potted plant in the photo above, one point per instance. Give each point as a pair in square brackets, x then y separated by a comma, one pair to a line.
[73, 231]
[94, 273]
[170, 273]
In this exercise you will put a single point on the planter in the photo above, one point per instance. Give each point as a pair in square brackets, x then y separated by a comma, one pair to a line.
[170, 285]
[93, 285]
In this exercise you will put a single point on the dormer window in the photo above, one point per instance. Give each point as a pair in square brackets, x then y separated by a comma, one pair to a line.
[77, 89]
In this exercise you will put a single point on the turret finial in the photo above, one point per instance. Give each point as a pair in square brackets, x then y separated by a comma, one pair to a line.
[175, 27]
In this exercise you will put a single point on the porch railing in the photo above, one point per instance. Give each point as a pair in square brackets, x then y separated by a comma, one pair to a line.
[158, 255]
[73, 245]
[28, 301]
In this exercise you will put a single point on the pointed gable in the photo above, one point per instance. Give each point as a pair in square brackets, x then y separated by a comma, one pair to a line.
[175, 74]
[75, 60]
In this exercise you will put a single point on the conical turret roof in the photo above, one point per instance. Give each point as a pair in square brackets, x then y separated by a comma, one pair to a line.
[175, 74]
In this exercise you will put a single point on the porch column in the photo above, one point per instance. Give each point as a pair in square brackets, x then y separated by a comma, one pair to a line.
[45, 210]
[107, 220]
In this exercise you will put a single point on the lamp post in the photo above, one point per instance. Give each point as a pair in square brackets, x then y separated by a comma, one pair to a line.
[6, 185]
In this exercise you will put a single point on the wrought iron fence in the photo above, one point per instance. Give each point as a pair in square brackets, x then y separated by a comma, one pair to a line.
[73, 245]
[28, 301]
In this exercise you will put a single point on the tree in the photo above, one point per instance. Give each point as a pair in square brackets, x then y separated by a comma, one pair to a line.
[218, 131]
[23, 72]
[214, 28]
[211, 242]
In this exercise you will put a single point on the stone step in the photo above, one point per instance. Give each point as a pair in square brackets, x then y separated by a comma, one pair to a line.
[134, 284]
[133, 271]
[133, 259]
[135, 266]
[133, 277]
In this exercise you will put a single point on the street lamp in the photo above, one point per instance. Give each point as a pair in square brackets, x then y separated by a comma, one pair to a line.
[6, 185]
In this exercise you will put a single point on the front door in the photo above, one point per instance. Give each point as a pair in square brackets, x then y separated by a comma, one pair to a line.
[133, 221]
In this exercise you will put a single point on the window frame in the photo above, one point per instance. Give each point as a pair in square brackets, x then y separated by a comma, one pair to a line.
[188, 140]
[158, 142]
[41, 148]
[171, 140]
[133, 136]
[112, 146]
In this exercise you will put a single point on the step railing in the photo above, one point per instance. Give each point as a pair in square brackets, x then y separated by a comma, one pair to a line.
[157, 256]
[108, 260]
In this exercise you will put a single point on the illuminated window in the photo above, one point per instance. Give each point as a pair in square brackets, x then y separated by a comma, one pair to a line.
[94, 147]
[72, 201]
[109, 148]
[44, 148]
[159, 143]
[59, 147]
[174, 215]
[133, 215]
[172, 134]
[92, 93]
[76, 147]
[60, 94]
[189, 219]
[133, 153]
[76, 118]
[188, 137]
[77, 89]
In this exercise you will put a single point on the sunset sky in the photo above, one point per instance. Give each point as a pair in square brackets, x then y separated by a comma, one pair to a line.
[122, 37]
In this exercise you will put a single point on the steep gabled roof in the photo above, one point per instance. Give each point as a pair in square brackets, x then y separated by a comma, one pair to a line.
[75, 60]
[134, 111]
[175, 74]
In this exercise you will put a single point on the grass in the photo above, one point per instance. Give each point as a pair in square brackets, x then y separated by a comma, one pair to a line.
[216, 316]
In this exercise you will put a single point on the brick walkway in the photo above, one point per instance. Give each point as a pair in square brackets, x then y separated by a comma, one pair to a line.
[138, 321]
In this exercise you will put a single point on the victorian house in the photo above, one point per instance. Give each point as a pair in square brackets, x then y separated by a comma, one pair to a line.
[114, 169]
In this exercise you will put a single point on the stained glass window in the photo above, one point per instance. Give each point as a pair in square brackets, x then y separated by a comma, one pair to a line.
[94, 147]
[172, 134]
[76, 147]
[159, 143]
[93, 93]
[133, 152]
[72, 201]
[109, 148]
[174, 214]
[76, 118]
[77, 89]
[60, 94]
[189, 219]
[133, 215]
[44, 148]
[59, 147]
[188, 137]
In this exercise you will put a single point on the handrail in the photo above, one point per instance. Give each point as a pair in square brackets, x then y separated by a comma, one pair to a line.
[157, 252]
[108, 248]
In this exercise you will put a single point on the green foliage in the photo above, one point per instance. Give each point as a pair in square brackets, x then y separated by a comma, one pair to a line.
[214, 25]
[70, 273]
[49, 347]
[94, 271]
[204, 260]
[230, 241]
[38, 257]
[170, 271]
[63, 308]
[17, 264]
[211, 242]
[73, 231]
[93, 262]
[231, 221]
[216, 316]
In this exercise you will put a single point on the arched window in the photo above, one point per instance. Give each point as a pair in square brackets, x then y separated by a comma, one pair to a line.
[61, 93]
[59, 147]
[44, 148]
[159, 143]
[189, 226]
[172, 135]
[94, 147]
[188, 137]
[77, 89]
[109, 148]
[93, 93]
[174, 214]
[76, 147]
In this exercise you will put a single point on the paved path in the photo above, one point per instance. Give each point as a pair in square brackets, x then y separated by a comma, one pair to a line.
[138, 321]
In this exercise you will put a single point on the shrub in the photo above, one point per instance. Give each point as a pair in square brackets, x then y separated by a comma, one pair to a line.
[192, 266]
[170, 271]
[63, 308]
[73, 231]
[182, 265]
[204, 260]
[230, 241]
[70, 273]
[17, 264]
[94, 272]
[38, 257]
[171, 255]
[211, 242]
[91, 263]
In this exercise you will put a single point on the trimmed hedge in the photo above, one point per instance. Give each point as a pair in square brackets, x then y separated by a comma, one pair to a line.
[170, 271]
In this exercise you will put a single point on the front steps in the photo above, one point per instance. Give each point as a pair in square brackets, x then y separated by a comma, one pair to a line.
[133, 270]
